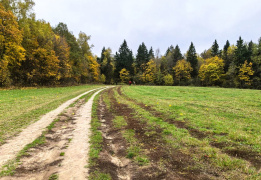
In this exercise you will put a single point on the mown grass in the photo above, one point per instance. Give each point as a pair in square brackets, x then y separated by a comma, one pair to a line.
[21, 107]
[234, 113]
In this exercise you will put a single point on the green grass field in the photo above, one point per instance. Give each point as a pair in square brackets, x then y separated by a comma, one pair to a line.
[216, 125]
[21, 107]
[234, 112]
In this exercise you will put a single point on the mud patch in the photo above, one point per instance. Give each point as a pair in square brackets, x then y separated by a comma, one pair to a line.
[112, 159]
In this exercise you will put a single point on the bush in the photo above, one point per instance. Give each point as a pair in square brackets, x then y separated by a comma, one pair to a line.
[168, 80]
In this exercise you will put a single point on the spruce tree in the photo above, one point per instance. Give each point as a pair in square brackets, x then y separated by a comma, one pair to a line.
[142, 55]
[225, 56]
[151, 54]
[241, 52]
[170, 49]
[176, 55]
[193, 59]
[215, 49]
[250, 51]
[123, 59]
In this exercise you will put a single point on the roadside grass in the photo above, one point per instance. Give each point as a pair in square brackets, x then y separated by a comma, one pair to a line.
[54, 177]
[21, 107]
[161, 99]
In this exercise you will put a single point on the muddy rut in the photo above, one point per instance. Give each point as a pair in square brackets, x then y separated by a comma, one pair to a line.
[165, 163]
[65, 150]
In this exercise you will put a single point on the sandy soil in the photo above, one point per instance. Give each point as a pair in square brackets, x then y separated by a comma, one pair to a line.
[73, 166]
[13, 146]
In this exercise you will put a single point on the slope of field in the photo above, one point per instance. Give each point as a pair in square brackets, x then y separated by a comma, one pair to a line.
[19, 108]
[177, 133]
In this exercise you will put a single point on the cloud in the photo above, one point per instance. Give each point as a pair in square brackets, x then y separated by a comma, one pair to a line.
[158, 23]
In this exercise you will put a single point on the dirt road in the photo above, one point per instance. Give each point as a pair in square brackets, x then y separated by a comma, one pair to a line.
[66, 147]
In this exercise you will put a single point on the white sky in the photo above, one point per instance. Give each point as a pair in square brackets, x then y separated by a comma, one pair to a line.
[157, 23]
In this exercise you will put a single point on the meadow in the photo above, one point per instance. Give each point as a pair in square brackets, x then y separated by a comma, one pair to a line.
[193, 132]
[21, 107]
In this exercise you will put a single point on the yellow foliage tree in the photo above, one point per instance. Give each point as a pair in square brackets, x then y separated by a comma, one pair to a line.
[212, 71]
[11, 51]
[150, 71]
[168, 80]
[46, 67]
[124, 75]
[62, 51]
[94, 69]
[182, 70]
[245, 72]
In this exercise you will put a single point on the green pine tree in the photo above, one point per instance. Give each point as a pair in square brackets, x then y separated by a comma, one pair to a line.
[142, 57]
[123, 59]
[151, 53]
[241, 52]
[215, 49]
[176, 55]
[193, 59]
[225, 56]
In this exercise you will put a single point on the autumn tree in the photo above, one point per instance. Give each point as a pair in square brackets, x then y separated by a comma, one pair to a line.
[107, 66]
[148, 75]
[11, 52]
[75, 54]
[124, 75]
[168, 80]
[245, 72]
[182, 71]
[83, 44]
[62, 51]
[212, 71]
[93, 69]
[206, 54]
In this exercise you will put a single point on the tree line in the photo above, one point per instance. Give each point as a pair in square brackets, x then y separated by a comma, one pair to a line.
[32, 53]
[233, 66]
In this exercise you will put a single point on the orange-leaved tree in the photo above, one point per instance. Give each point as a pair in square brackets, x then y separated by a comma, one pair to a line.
[11, 51]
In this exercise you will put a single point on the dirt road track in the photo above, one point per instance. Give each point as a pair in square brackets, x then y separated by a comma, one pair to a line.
[13, 146]
[77, 153]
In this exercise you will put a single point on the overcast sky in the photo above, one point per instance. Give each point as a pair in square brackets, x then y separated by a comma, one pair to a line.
[157, 23]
